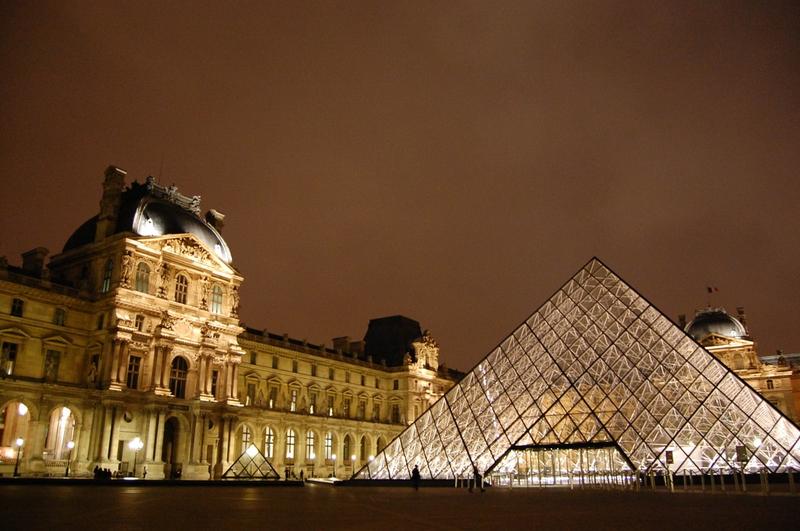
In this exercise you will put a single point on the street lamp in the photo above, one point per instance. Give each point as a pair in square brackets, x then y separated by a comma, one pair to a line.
[352, 464]
[136, 444]
[70, 446]
[19, 442]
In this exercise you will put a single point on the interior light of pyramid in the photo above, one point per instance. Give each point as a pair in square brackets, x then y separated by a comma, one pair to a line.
[597, 379]
[252, 450]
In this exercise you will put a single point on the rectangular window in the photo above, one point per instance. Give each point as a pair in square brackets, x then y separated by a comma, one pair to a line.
[214, 381]
[363, 380]
[134, 364]
[253, 358]
[269, 443]
[290, 444]
[330, 406]
[362, 409]
[17, 305]
[312, 402]
[273, 397]
[396, 413]
[52, 359]
[101, 319]
[330, 373]
[310, 454]
[59, 317]
[293, 400]
[377, 383]
[347, 377]
[346, 408]
[251, 394]
[274, 362]
[376, 412]
[139, 322]
[328, 446]
[770, 384]
[313, 370]
[294, 365]
[396, 385]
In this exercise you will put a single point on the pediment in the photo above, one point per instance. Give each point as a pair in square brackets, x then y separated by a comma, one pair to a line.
[15, 332]
[57, 339]
[188, 246]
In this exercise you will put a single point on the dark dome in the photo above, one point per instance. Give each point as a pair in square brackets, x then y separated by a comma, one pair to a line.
[715, 321]
[146, 215]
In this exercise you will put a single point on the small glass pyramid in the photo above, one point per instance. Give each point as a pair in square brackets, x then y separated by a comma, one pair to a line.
[251, 465]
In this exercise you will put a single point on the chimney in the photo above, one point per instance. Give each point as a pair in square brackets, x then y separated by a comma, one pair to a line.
[682, 320]
[341, 344]
[215, 219]
[33, 261]
[742, 317]
[109, 205]
[357, 347]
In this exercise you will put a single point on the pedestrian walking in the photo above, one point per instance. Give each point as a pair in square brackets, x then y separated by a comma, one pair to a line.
[415, 477]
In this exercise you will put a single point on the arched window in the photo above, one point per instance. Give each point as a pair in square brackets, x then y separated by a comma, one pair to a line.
[310, 439]
[290, 436]
[177, 377]
[143, 278]
[329, 445]
[14, 419]
[381, 443]
[216, 299]
[109, 269]
[269, 442]
[181, 289]
[346, 449]
[247, 437]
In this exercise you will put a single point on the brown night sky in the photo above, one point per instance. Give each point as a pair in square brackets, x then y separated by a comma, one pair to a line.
[451, 161]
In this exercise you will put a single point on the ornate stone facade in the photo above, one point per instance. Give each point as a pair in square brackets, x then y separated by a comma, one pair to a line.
[132, 331]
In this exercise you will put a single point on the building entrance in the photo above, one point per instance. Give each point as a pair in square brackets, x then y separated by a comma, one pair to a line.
[561, 465]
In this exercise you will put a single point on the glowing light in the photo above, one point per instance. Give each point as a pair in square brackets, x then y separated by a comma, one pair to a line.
[19, 442]
[353, 457]
[22, 409]
[65, 412]
[757, 442]
[371, 458]
[71, 445]
[252, 450]
[136, 444]
[333, 457]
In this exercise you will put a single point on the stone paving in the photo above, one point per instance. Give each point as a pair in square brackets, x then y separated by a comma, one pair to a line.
[312, 507]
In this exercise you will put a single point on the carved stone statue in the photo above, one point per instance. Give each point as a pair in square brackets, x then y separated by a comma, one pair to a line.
[126, 268]
[235, 301]
[91, 374]
[167, 321]
[163, 280]
[204, 289]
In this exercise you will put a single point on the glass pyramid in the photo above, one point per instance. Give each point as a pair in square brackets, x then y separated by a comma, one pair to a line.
[251, 465]
[596, 365]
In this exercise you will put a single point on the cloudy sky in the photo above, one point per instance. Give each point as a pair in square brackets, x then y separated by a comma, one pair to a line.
[454, 162]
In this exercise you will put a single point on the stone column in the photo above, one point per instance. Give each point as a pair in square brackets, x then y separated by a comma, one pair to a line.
[201, 375]
[123, 362]
[203, 424]
[33, 451]
[165, 367]
[155, 379]
[106, 437]
[162, 415]
[115, 361]
[235, 378]
[115, 434]
[209, 375]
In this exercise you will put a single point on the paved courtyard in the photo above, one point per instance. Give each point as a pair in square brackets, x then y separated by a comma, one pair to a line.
[323, 507]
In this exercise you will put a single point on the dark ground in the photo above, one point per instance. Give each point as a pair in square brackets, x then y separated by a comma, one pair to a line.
[324, 507]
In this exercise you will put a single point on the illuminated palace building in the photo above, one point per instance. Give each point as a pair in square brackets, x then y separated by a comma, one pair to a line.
[126, 352]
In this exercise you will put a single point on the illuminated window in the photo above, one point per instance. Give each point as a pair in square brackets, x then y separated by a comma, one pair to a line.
[17, 306]
[273, 397]
[181, 289]
[247, 437]
[216, 299]
[143, 278]
[109, 269]
[346, 408]
[312, 405]
[177, 377]
[134, 364]
[59, 317]
[310, 445]
[290, 444]
[328, 445]
[330, 406]
[293, 400]
[269, 442]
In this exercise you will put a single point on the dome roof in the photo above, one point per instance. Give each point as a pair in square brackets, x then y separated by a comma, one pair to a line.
[151, 214]
[715, 321]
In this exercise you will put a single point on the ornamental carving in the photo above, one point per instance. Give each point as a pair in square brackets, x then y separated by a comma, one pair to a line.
[187, 247]
[163, 280]
[235, 301]
[426, 350]
[167, 321]
[126, 268]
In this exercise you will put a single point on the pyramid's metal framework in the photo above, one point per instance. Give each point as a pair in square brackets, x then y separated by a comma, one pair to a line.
[596, 364]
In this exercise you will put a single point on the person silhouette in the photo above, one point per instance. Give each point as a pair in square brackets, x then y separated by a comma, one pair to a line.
[415, 477]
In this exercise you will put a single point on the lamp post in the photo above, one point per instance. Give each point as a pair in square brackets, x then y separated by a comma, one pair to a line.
[136, 444]
[70, 446]
[19, 442]
[352, 464]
